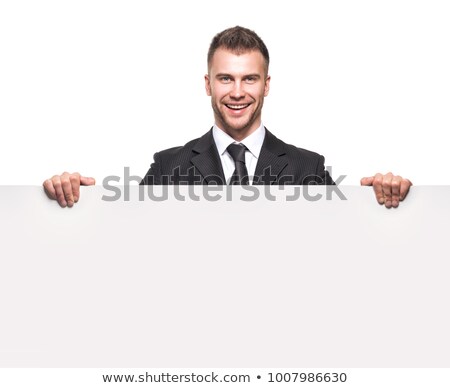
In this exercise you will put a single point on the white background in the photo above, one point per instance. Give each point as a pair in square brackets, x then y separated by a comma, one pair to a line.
[94, 85]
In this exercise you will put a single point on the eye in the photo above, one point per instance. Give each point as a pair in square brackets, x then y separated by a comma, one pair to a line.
[250, 79]
[225, 79]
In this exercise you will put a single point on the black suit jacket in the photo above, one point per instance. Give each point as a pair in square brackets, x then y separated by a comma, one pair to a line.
[198, 162]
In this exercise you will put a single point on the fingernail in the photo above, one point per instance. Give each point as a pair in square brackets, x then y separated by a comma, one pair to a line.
[75, 199]
[70, 203]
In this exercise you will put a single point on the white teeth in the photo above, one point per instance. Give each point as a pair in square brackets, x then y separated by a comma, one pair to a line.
[237, 106]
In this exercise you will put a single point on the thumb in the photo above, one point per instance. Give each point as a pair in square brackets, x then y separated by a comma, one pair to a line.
[367, 181]
[86, 181]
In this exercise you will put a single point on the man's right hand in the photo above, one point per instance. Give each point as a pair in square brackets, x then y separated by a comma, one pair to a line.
[65, 188]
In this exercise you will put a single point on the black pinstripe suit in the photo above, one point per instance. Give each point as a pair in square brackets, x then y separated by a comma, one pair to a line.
[198, 162]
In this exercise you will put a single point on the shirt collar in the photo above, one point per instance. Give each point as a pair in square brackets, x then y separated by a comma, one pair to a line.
[253, 142]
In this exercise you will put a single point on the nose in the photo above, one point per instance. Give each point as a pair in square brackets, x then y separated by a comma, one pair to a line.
[237, 92]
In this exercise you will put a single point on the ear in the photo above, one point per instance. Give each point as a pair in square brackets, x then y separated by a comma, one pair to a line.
[267, 86]
[207, 85]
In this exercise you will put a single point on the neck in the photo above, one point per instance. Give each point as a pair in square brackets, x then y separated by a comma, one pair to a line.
[239, 134]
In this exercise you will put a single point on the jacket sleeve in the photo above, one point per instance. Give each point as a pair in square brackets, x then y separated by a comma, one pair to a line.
[153, 176]
[324, 176]
[320, 177]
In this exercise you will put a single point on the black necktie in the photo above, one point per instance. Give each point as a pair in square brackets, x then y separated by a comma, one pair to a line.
[240, 174]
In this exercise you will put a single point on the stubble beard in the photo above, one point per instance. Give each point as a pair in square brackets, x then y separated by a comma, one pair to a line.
[231, 127]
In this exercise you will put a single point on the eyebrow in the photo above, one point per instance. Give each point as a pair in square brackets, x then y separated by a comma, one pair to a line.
[245, 76]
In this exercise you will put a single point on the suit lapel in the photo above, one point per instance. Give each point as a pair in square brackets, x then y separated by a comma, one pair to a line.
[271, 162]
[207, 160]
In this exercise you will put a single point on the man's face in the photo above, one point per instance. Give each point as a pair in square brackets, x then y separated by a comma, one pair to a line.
[237, 85]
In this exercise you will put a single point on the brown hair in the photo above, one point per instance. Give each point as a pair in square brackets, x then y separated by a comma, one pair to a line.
[239, 40]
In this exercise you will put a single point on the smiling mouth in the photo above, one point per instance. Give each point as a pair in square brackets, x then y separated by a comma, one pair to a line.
[237, 106]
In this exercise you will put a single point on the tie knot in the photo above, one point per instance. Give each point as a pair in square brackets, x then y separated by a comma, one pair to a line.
[237, 152]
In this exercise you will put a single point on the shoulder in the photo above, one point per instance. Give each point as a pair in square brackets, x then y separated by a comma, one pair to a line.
[291, 150]
[181, 156]
[173, 152]
[304, 153]
[305, 166]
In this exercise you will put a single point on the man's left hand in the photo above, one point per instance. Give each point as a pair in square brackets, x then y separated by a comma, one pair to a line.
[389, 189]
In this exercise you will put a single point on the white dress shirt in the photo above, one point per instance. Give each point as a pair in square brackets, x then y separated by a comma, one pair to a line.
[253, 142]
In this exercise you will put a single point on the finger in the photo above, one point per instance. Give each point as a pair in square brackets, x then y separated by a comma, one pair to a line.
[387, 189]
[367, 181]
[49, 189]
[75, 182]
[56, 180]
[86, 181]
[405, 184]
[67, 189]
[396, 180]
[378, 188]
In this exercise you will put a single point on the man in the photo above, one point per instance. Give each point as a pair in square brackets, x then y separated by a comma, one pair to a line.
[238, 149]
